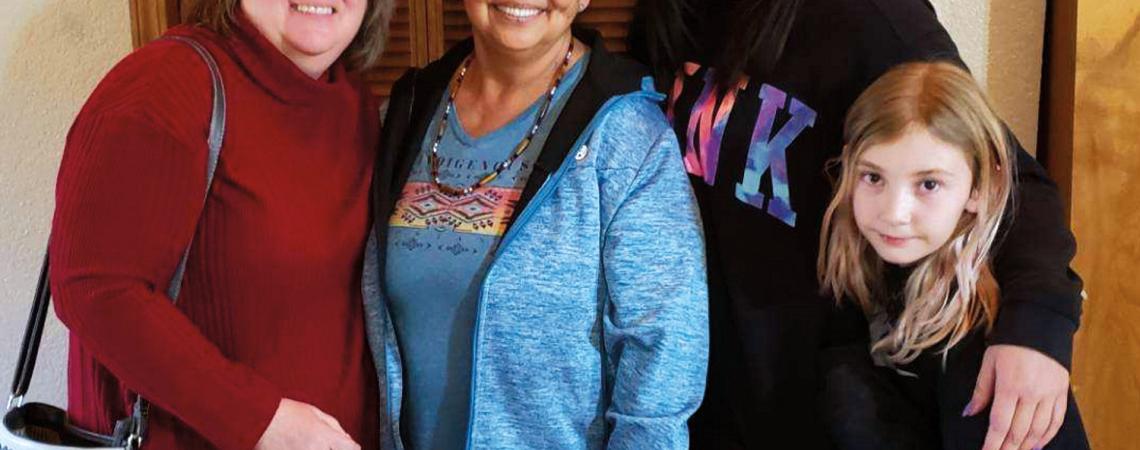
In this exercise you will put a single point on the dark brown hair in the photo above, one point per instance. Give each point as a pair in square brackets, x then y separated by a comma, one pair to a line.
[736, 37]
[758, 31]
[363, 53]
[661, 35]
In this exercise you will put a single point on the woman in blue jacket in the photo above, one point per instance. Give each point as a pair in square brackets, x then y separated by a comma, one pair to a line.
[536, 274]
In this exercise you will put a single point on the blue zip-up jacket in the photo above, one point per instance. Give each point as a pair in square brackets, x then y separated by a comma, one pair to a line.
[592, 322]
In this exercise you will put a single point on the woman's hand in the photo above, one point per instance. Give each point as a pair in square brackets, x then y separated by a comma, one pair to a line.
[302, 426]
[1030, 393]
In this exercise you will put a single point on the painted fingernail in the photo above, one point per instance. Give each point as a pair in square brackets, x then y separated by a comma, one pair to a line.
[969, 409]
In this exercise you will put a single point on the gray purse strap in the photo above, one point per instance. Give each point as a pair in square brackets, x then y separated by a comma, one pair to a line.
[136, 424]
[214, 141]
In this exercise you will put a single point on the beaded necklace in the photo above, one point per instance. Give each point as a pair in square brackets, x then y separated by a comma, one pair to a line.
[519, 149]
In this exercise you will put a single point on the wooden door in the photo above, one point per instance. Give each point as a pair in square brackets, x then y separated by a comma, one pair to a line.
[1106, 219]
[421, 30]
[1093, 150]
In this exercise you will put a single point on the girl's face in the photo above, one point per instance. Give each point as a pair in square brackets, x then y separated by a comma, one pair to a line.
[522, 25]
[307, 29]
[910, 195]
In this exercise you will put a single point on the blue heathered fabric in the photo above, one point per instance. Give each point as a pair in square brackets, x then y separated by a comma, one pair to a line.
[592, 322]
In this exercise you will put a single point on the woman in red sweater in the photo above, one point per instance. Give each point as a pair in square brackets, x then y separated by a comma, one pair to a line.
[265, 347]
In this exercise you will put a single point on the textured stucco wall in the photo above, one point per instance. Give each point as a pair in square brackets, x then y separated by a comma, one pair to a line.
[1016, 30]
[1001, 41]
[52, 53]
[968, 22]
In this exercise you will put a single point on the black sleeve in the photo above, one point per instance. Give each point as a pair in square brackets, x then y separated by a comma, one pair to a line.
[893, 32]
[393, 131]
[1041, 296]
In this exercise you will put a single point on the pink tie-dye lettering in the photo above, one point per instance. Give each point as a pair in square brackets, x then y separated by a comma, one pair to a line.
[678, 88]
[766, 153]
[706, 128]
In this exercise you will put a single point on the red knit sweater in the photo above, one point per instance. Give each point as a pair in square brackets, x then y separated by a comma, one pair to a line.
[271, 303]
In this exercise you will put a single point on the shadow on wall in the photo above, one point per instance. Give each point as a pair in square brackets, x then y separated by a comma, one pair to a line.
[1106, 217]
[55, 58]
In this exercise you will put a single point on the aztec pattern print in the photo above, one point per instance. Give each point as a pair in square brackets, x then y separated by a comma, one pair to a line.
[485, 211]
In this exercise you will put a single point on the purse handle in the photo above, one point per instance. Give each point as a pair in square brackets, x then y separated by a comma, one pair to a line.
[33, 333]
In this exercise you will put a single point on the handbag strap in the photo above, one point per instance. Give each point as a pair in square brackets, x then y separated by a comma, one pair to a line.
[214, 142]
[33, 333]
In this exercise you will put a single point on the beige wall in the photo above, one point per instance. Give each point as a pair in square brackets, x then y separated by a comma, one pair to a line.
[52, 53]
[1001, 41]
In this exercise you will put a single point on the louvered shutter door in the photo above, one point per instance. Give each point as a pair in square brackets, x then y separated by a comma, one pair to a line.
[455, 25]
[399, 54]
[611, 18]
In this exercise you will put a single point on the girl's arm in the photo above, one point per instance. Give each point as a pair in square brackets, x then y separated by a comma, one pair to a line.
[1024, 377]
[1040, 294]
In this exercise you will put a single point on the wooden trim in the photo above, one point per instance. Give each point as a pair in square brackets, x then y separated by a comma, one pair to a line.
[423, 13]
[150, 18]
[434, 31]
[1058, 97]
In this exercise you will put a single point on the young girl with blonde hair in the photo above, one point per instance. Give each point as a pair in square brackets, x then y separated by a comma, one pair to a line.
[926, 180]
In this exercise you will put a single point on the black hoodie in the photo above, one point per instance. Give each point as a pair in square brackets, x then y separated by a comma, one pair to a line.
[768, 317]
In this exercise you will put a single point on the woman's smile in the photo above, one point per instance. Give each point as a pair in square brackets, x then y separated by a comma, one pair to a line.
[517, 13]
[310, 9]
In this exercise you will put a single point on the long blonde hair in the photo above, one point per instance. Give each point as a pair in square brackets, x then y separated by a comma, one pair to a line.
[951, 291]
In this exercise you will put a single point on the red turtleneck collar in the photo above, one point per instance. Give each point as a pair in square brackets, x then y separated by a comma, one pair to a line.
[271, 69]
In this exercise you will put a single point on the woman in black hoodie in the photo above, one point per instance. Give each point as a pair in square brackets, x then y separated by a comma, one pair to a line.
[758, 92]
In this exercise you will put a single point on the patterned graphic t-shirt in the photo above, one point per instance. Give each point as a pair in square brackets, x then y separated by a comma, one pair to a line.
[439, 248]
